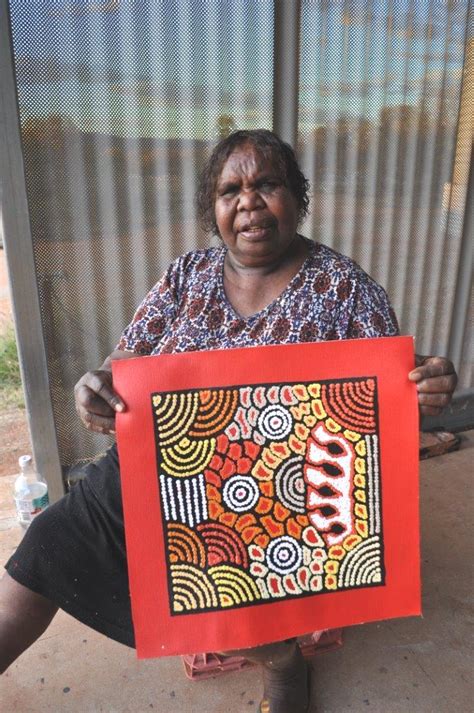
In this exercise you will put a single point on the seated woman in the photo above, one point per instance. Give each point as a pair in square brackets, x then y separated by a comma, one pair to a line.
[265, 284]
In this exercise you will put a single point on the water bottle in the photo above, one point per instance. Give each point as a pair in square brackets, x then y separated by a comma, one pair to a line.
[31, 493]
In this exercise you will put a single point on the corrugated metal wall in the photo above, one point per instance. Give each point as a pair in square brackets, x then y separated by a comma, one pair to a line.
[387, 149]
[120, 103]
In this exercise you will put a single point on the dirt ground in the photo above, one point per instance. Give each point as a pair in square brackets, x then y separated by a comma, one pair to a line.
[14, 435]
[14, 440]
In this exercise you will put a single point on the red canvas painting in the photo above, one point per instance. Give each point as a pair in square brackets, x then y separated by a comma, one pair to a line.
[268, 491]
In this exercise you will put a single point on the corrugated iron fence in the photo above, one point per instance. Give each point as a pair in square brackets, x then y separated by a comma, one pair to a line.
[118, 103]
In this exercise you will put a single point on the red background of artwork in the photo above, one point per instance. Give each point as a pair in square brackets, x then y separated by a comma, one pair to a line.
[158, 633]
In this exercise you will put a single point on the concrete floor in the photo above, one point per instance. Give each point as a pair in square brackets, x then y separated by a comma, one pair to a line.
[421, 665]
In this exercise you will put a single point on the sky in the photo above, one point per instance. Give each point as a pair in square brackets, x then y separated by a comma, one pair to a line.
[171, 67]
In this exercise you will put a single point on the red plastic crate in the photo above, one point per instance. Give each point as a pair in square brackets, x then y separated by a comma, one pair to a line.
[200, 666]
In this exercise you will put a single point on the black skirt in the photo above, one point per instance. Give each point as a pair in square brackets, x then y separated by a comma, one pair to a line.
[74, 553]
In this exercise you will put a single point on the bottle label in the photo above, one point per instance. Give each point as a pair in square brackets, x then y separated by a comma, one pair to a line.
[39, 504]
[28, 508]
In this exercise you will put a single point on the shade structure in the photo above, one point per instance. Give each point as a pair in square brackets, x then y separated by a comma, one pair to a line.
[117, 106]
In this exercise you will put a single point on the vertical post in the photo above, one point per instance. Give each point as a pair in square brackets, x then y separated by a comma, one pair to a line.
[462, 192]
[286, 69]
[16, 230]
[462, 296]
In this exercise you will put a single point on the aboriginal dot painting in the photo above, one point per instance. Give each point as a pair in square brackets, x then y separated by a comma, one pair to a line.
[269, 492]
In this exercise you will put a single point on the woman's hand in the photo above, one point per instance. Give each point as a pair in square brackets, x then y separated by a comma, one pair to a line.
[436, 380]
[96, 401]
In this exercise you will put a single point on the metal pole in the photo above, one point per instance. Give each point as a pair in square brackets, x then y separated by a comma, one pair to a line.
[15, 226]
[286, 69]
[464, 279]
[463, 173]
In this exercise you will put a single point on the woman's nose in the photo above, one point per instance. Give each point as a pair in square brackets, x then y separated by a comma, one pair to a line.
[250, 200]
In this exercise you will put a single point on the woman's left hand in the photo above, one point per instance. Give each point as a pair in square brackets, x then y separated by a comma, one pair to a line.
[436, 380]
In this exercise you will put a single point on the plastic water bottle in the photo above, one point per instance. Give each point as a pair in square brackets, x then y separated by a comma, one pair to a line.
[31, 493]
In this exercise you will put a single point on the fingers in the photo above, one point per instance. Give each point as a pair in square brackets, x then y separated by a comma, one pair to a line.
[430, 367]
[100, 382]
[98, 424]
[97, 402]
[94, 412]
[435, 380]
[437, 385]
[433, 404]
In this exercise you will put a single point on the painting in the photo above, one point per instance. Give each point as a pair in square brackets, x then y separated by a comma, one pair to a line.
[266, 496]
[269, 491]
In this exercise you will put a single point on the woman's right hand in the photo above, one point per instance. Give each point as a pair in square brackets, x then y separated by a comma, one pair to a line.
[96, 401]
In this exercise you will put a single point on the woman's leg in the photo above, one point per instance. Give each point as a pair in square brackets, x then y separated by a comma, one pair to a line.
[73, 554]
[285, 676]
[24, 616]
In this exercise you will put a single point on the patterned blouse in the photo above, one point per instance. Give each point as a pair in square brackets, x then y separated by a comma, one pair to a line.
[330, 297]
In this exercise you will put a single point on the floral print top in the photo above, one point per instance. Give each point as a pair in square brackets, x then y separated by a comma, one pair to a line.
[330, 297]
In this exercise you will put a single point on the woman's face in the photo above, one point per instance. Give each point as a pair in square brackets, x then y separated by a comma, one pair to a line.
[256, 214]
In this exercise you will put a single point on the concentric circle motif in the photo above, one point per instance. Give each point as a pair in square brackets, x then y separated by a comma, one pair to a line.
[290, 485]
[240, 493]
[275, 422]
[284, 555]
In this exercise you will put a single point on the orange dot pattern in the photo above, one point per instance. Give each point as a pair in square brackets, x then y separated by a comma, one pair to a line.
[351, 404]
[216, 409]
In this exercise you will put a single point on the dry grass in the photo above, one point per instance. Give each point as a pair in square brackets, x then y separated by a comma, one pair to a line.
[11, 390]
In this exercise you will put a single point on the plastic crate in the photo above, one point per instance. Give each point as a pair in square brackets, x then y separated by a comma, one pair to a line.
[201, 666]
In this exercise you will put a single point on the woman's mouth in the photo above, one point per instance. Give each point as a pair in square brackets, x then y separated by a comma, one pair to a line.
[255, 232]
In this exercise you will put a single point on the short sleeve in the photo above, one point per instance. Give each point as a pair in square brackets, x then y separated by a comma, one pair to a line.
[153, 317]
[372, 314]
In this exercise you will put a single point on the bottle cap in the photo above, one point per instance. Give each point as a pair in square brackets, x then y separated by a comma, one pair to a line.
[24, 461]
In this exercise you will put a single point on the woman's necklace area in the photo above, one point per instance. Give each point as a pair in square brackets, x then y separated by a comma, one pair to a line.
[250, 291]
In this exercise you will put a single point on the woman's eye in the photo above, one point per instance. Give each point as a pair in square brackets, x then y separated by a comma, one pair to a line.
[228, 190]
[268, 185]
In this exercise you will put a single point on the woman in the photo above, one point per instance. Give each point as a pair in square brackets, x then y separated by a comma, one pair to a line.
[265, 284]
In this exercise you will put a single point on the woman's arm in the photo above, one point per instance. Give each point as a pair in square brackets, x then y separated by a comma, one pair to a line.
[96, 401]
[373, 316]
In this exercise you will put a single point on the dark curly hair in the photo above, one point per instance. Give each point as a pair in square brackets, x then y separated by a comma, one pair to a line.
[269, 146]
